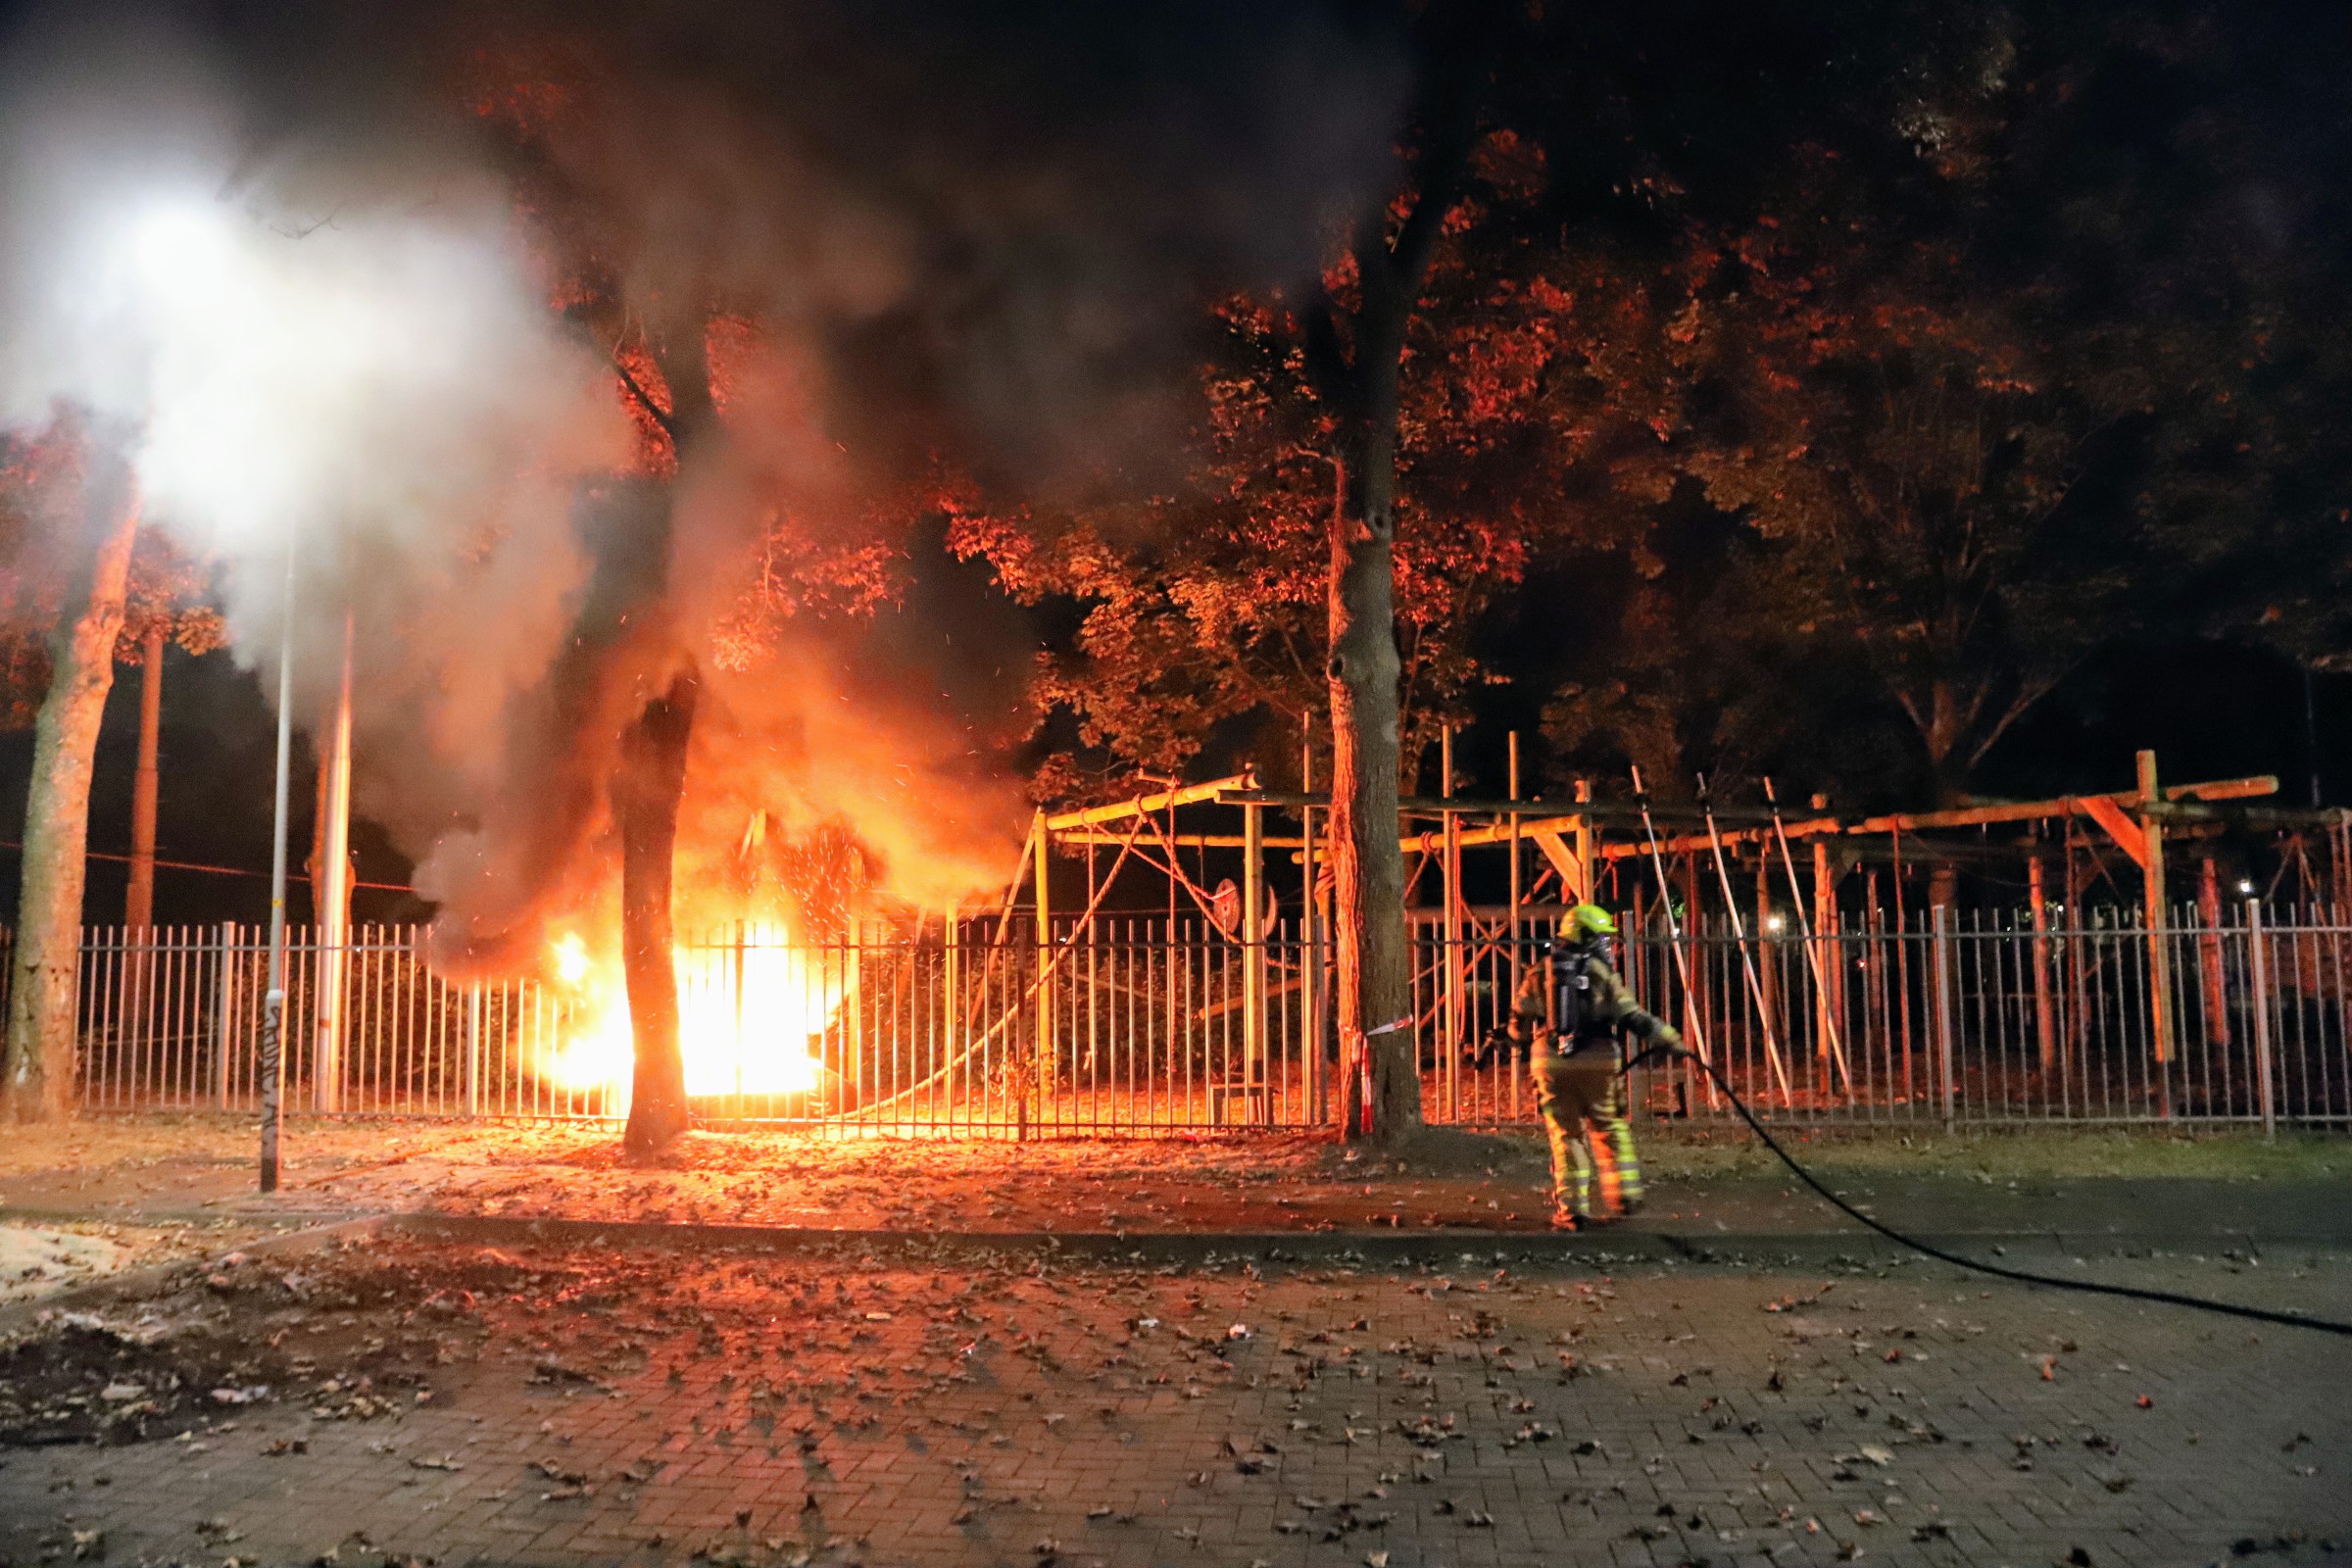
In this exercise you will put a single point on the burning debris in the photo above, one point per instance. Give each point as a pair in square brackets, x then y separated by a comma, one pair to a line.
[742, 1004]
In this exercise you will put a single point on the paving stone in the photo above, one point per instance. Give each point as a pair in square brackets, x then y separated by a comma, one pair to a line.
[956, 1463]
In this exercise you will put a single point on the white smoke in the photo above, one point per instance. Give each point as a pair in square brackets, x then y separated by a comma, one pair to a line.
[296, 271]
[354, 370]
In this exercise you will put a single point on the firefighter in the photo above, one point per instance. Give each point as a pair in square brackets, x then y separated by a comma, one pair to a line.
[1573, 1007]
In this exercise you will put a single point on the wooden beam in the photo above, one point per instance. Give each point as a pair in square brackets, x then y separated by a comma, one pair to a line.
[1190, 840]
[2228, 789]
[1546, 824]
[1122, 810]
[1422, 805]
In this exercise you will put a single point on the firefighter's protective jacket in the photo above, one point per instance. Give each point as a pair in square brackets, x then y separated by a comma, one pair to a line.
[1590, 1007]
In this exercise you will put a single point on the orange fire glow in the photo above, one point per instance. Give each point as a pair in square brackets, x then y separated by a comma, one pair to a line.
[752, 1018]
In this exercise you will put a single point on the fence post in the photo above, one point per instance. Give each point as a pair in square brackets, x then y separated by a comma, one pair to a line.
[2160, 966]
[2259, 984]
[1945, 1045]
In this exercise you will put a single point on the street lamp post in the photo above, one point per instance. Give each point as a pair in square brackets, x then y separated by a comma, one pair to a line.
[273, 1002]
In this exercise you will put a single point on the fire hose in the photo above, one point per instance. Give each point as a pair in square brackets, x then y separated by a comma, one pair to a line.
[1975, 1265]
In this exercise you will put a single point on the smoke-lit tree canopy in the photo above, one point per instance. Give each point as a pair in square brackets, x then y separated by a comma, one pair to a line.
[1811, 393]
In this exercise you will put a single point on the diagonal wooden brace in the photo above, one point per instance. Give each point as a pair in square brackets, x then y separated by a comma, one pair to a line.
[1563, 860]
[2118, 825]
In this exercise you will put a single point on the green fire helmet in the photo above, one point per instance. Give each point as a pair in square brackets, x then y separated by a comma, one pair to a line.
[1588, 920]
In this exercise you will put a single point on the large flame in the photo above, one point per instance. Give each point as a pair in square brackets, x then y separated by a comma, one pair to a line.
[751, 1016]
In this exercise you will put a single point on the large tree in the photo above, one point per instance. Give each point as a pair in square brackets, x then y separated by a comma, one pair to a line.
[78, 486]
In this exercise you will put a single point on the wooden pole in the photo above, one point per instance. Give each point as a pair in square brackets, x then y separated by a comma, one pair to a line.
[1702, 1003]
[1902, 966]
[331, 898]
[1042, 1069]
[951, 961]
[138, 903]
[1451, 883]
[2045, 1035]
[1829, 972]
[1584, 842]
[1518, 896]
[2259, 982]
[2072, 961]
[1311, 960]
[1767, 952]
[1255, 1091]
[2160, 968]
[2211, 975]
[1874, 1006]
[1946, 1042]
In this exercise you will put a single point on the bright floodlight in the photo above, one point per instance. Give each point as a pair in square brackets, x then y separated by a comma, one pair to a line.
[180, 249]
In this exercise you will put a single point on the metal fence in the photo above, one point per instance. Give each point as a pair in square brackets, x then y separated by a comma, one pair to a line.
[1145, 1025]
[1956, 1016]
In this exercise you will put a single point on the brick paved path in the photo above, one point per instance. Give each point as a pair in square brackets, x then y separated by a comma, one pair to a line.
[647, 1408]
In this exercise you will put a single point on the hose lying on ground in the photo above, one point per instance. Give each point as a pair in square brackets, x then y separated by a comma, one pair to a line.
[2022, 1276]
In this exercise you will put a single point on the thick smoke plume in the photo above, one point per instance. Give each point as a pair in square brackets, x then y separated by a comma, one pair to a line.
[353, 285]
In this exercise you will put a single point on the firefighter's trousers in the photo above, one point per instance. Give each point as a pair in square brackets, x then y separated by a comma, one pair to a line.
[1582, 1096]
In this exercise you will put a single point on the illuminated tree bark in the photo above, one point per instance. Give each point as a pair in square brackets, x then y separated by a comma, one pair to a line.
[647, 788]
[1374, 991]
[650, 784]
[36, 1078]
[1354, 357]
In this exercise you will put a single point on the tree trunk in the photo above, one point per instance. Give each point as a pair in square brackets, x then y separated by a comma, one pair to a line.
[36, 1078]
[1941, 733]
[1357, 375]
[650, 782]
[1374, 993]
[138, 903]
[646, 792]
